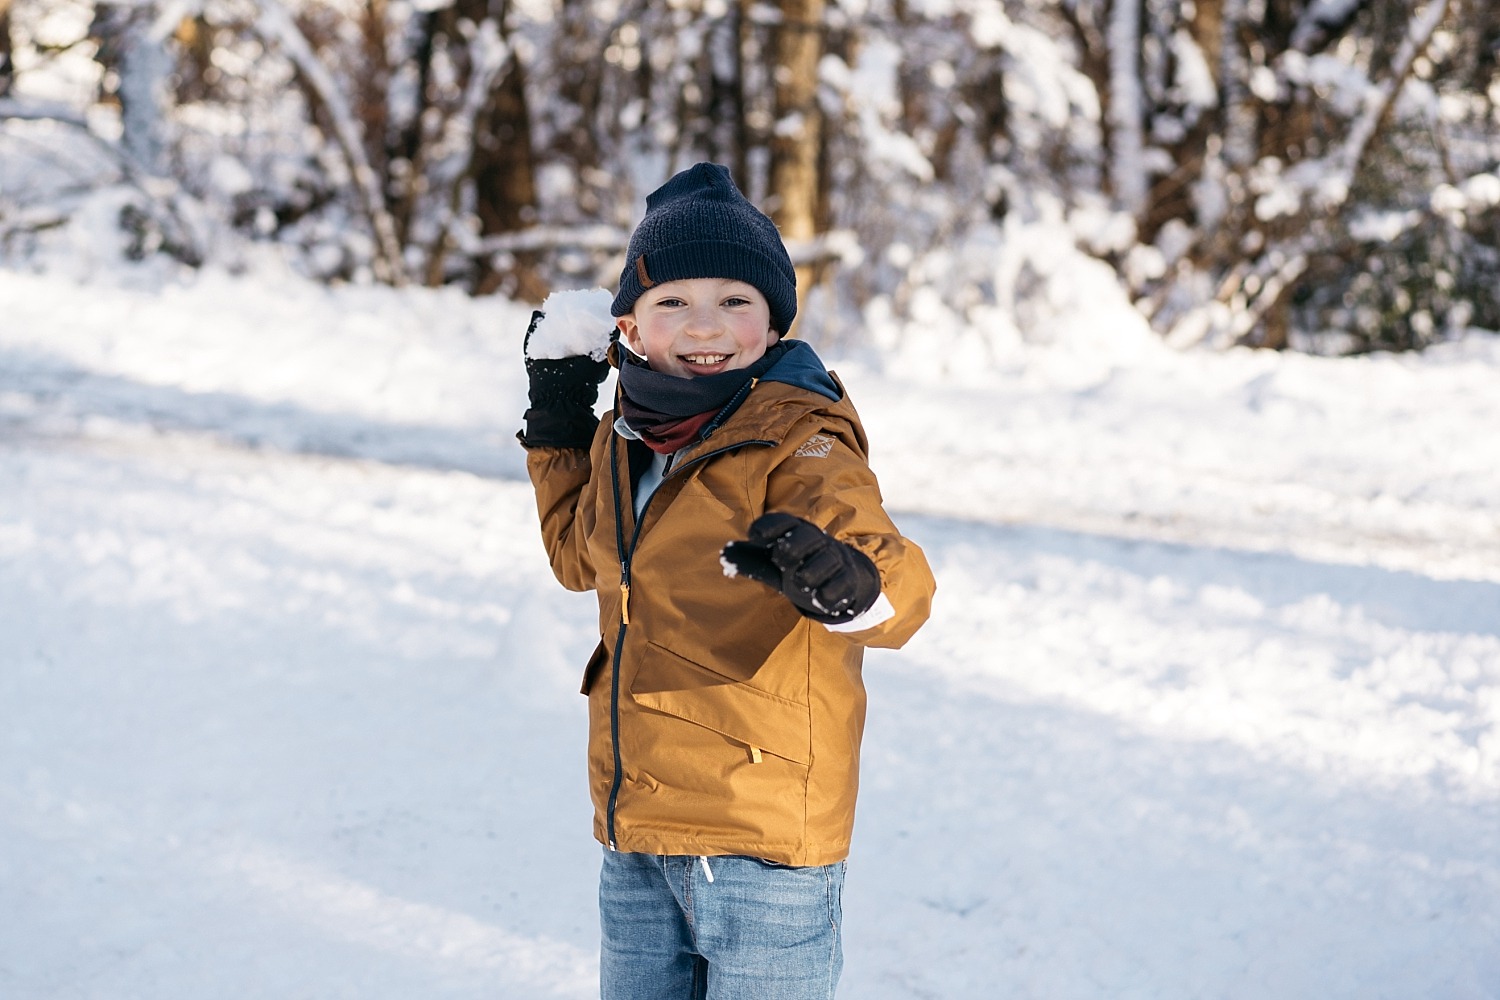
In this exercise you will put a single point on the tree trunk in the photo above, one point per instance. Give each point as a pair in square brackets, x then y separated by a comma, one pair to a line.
[1126, 109]
[797, 48]
[1172, 194]
[1093, 60]
[1237, 33]
[725, 108]
[504, 168]
[7, 66]
[128, 44]
[370, 101]
[578, 55]
[195, 52]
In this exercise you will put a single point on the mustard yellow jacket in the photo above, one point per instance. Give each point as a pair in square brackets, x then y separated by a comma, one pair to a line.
[721, 721]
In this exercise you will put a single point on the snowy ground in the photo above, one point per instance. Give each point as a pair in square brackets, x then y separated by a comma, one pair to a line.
[1209, 706]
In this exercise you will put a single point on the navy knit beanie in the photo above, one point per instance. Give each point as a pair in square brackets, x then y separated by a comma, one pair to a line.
[698, 225]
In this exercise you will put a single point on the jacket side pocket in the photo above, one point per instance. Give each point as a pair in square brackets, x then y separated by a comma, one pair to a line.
[760, 720]
[591, 671]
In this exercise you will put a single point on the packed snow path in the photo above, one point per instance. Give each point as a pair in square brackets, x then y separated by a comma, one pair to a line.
[1209, 705]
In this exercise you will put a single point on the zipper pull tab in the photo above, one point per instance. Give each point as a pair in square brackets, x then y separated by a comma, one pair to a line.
[624, 602]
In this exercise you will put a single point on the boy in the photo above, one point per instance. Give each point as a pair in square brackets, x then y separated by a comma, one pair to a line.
[726, 515]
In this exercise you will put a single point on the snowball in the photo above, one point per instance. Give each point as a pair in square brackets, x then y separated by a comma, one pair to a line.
[576, 322]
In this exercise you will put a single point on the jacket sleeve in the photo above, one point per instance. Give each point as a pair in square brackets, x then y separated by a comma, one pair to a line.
[824, 477]
[565, 505]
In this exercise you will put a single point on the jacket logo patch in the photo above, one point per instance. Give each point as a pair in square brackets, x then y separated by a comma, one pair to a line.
[817, 446]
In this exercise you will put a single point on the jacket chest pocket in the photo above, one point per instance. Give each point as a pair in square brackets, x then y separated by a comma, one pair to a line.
[708, 494]
[732, 483]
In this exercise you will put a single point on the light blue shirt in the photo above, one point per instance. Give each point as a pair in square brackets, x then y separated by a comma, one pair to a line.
[652, 477]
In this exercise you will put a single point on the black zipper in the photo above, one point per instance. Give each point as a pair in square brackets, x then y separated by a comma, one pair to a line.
[614, 673]
[625, 555]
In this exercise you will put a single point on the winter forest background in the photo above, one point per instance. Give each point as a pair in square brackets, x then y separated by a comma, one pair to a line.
[1314, 174]
[1209, 703]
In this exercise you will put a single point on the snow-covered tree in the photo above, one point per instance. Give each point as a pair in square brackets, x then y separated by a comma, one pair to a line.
[1306, 173]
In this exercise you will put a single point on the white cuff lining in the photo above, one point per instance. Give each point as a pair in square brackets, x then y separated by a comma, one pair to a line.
[880, 611]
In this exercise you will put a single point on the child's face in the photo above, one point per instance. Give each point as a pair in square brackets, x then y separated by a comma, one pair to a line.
[699, 326]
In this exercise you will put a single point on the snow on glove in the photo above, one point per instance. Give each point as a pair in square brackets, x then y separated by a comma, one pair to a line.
[828, 580]
[564, 386]
[578, 322]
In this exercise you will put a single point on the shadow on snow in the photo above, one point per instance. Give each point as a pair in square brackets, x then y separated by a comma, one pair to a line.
[61, 393]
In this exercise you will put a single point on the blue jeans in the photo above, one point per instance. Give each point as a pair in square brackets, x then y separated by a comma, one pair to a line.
[679, 927]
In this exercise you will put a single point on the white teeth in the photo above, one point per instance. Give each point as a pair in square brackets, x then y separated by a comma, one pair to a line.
[705, 359]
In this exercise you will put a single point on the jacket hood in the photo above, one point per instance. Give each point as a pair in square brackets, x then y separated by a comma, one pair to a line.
[800, 366]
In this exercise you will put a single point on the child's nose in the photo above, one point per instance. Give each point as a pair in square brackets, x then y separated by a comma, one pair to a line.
[703, 320]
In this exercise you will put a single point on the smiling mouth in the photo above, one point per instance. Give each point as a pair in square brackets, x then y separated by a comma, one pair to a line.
[705, 359]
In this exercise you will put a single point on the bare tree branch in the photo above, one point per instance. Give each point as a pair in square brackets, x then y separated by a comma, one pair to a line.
[163, 192]
[1263, 281]
[276, 26]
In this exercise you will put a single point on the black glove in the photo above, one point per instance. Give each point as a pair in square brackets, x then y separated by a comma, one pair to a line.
[562, 395]
[828, 580]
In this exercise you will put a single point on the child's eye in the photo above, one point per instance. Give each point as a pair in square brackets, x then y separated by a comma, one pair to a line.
[670, 302]
[737, 300]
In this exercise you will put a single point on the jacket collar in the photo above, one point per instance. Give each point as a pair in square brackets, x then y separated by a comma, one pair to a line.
[768, 414]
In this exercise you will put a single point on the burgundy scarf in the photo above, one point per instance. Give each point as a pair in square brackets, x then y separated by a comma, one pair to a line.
[668, 412]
